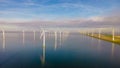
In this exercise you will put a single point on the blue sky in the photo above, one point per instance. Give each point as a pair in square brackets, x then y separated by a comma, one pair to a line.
[31, 10]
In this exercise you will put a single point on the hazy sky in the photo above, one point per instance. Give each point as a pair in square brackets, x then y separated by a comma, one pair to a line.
[60, 12]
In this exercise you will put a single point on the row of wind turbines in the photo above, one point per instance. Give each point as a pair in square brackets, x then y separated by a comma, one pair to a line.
[101, 31]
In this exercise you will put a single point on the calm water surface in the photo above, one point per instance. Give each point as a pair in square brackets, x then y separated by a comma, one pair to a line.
[56, 50]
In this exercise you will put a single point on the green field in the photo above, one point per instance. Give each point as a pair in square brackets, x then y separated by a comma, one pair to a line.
[107, 38]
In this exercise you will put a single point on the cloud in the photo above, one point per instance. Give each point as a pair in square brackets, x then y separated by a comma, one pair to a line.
[31, 9]
[110, 19]
[40, 5]
[32, 14]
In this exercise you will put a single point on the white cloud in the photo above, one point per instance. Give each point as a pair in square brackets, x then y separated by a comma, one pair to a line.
[27, 14]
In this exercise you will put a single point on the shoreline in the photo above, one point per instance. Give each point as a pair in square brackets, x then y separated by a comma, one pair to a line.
[107, 38]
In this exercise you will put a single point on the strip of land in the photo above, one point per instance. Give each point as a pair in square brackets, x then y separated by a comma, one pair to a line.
[107, 38]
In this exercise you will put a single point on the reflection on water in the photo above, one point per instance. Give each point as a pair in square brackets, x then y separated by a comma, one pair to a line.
[113, 47]
[55, 40]
[78, 51]
[99, 45]
[60, 37]
[64, 35]
[23, 34]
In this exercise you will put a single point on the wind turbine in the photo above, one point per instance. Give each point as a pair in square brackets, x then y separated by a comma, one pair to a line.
[44, 48]
[34, 34]
[3, 33]
[60, 37]
[3, 36]
[23, 32]
[113, 34]
[100, 33]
